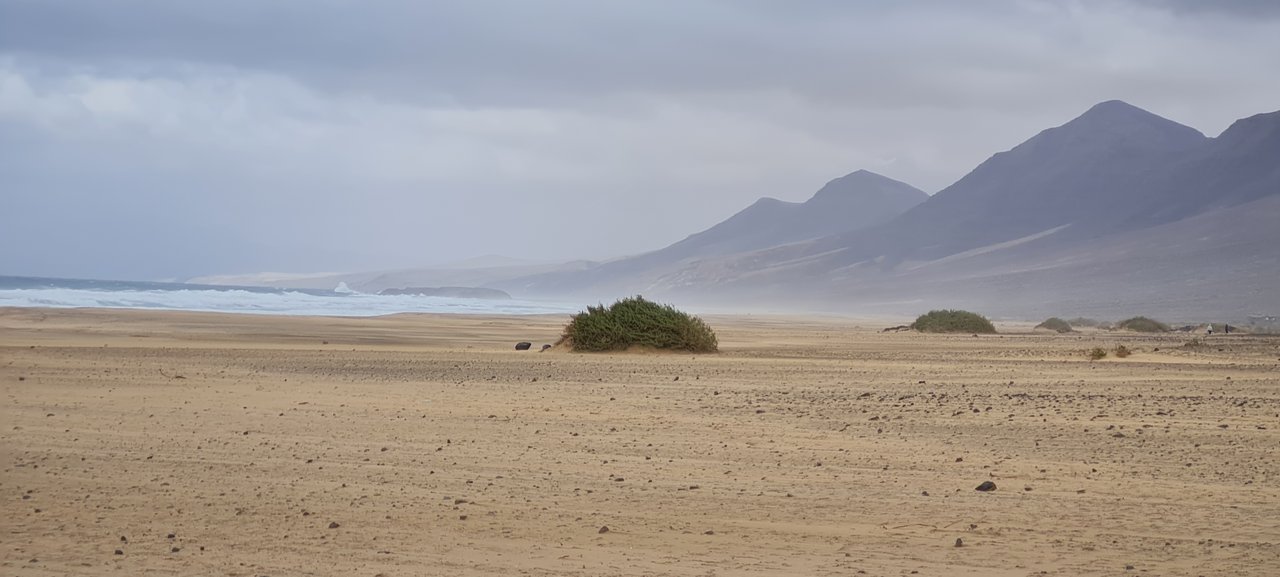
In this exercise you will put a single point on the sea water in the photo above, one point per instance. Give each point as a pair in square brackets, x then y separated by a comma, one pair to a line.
[74, 293]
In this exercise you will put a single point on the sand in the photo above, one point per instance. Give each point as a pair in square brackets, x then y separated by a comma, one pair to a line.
[206, 444]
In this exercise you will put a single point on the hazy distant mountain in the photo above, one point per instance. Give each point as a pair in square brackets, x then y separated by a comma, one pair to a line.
[1117, 212]
[848, 203]
[851, 202]
[1086, 174]
[457, 292]
[1114, 169]
[1099, 206]
[470, 273]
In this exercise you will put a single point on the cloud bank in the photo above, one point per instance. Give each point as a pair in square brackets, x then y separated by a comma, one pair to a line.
[144, 139]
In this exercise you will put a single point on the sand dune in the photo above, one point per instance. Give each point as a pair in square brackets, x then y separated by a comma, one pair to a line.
[205, 444]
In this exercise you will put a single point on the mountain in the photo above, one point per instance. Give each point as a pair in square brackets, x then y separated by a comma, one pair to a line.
[485, 271]
[851, 202]
[1084, 175]
[848, 203]
[457, 292]
[1100, 206]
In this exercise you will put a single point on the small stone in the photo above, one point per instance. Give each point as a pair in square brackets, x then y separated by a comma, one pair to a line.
[603, 529]
[709, 532]
[959, 542]
[334, 525]
[986, 486]
[124, 539]
[119, 552]
[170, 536]
[175, 549]
[1128, 567]
[462, 517]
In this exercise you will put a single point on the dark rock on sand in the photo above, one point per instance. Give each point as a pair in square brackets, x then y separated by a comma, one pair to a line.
[986, 486]
[523, 345]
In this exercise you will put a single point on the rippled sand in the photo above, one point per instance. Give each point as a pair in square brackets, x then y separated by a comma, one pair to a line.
[203, 444]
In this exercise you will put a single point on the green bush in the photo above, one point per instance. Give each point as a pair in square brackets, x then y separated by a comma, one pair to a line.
[1143, 325]
[637, 322]
[952, 321]
[1055, 324]
[1123, 351]
[1097, 353]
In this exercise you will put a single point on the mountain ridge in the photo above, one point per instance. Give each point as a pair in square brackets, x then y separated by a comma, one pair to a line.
[1113, 173]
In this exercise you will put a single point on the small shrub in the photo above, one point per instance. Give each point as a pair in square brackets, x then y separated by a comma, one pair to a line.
[1055, 324]
[953, 321]
[637, 322]
[1097, 353]
[1143, 325]
[1084, 322]
[1123, 351]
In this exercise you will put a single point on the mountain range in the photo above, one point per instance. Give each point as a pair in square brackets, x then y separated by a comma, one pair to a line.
[1116, 212]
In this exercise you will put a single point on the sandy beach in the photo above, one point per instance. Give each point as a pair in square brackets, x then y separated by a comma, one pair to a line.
[157, 443]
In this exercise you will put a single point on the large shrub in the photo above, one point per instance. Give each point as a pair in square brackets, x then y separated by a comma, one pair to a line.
[1143, 325]
[637, 322]
[952, 321]
[1055, 324]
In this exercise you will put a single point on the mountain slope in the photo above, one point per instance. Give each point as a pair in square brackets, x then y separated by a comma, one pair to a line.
[854, 201]
[1040, 221]
[1086, 173]
[851, 202]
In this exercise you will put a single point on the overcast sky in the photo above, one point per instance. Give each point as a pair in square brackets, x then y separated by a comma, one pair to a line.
[169, 138]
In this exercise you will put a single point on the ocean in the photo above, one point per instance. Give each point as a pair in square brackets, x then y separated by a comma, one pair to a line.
[74, 293]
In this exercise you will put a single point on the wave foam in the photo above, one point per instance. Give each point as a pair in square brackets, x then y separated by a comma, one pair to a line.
[352, 304]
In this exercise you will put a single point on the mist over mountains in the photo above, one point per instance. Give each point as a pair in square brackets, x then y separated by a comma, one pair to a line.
[1118, 211]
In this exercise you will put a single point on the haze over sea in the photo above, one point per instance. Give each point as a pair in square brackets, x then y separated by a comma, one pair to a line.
[74, 293]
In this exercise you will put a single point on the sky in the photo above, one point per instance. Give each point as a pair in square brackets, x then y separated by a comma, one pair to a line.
[164, 139]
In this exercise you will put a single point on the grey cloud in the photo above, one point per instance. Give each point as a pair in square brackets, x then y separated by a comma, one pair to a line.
[1233, 8]
[338, 135]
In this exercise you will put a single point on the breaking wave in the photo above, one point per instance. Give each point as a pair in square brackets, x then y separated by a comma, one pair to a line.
[71, 293]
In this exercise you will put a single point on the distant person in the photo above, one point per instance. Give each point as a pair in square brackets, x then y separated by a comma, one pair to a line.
[1210, 331]
[1226, 329]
